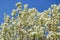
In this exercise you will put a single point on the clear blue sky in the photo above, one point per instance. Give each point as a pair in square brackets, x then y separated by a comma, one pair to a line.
[6, 6]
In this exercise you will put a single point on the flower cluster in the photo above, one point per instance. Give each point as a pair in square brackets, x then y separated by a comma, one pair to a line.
[31, 24]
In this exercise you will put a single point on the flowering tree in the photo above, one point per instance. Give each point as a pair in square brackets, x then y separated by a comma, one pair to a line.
[31, 24]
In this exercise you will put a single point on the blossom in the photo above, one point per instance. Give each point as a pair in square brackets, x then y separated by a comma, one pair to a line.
[30, 24]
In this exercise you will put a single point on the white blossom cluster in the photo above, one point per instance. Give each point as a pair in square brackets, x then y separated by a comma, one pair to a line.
[31, 24]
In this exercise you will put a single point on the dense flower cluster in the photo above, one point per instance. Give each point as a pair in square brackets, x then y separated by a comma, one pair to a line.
[31, 24]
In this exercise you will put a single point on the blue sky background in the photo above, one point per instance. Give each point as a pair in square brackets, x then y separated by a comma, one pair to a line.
[6, 6]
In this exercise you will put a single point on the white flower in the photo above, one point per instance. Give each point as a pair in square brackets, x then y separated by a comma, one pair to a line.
[13, 23]
[33, 33]
[18, 4]
[58, 27]
[41, 28]
[25, 6]
[13, 12]
[58, 34]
